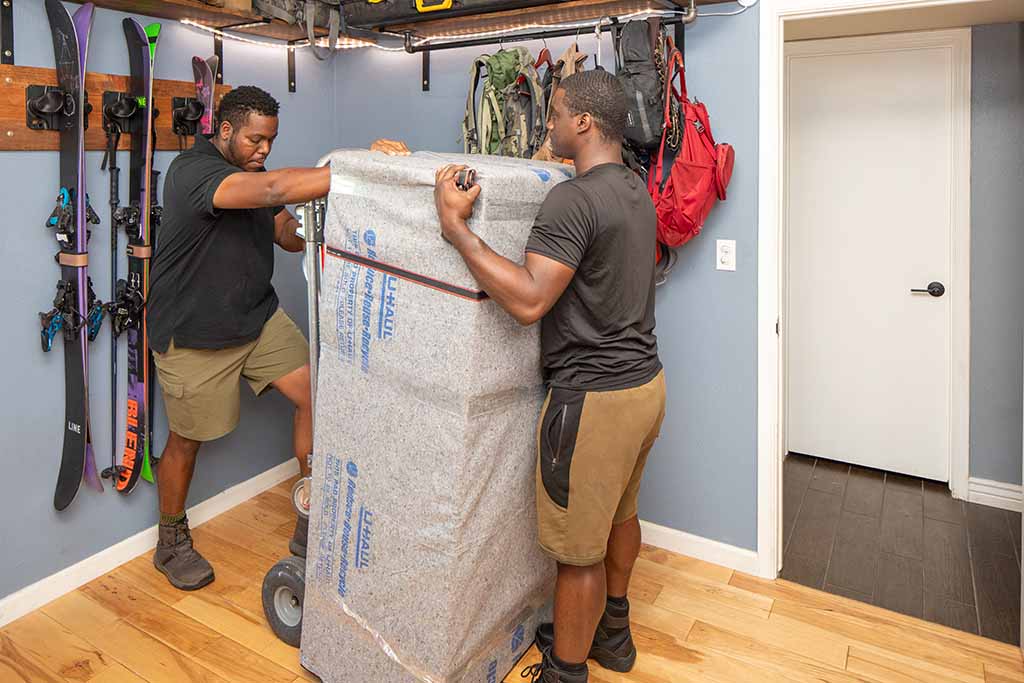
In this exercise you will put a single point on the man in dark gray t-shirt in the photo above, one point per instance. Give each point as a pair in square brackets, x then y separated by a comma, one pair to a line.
[588, 276]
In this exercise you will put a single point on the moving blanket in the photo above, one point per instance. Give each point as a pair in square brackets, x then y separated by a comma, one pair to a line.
[423, 562]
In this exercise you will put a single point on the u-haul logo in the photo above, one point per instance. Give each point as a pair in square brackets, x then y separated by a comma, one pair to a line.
[76, 428]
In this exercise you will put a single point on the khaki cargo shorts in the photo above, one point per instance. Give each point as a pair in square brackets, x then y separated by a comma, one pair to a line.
[592, 448]
[200, 386]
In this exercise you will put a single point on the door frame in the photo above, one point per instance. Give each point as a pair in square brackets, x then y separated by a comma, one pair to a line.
[771, 205]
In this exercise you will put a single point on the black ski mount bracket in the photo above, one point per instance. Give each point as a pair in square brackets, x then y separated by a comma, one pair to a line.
[121, 113]
[47, 106]
[7, 32]
[186, 113]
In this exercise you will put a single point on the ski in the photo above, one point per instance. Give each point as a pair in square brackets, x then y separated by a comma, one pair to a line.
[205, 72]
[75, 308]
[132, 292]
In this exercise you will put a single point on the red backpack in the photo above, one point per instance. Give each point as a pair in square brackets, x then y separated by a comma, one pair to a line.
[701, 170]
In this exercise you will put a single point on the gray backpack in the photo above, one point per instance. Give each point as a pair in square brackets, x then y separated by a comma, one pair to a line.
[312, 13]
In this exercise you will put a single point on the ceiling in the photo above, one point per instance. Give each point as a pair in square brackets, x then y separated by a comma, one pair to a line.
[952, 15]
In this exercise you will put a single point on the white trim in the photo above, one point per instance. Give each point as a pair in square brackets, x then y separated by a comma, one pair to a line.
[701, 548]
[996, 494]
[770, 179]
[45, 590]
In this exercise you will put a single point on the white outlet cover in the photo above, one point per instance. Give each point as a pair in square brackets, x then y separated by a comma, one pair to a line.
[725, 255]
[747, 3]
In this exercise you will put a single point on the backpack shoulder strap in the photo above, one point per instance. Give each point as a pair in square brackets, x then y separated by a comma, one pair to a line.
[674, 58]
[471, 141]
[538, 108]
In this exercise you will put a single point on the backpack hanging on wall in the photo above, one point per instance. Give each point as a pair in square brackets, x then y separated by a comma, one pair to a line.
[700, 172]
[525, 111]
[637, 70]
[483, 124]
[312, 13]
[572, 61]
[510, 115]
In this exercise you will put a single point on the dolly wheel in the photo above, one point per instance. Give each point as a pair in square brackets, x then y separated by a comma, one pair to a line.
[284, 588]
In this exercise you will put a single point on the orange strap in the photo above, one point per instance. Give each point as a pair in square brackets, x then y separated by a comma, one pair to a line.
[140, 252]
[73, 260]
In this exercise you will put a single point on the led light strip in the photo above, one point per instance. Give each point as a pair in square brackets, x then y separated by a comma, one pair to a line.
[343, 43]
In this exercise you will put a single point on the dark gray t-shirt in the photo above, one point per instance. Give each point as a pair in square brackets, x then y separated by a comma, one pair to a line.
[210, 285]
[599, 336]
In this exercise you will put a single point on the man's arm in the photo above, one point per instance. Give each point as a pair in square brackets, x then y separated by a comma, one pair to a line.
[244, 190]
[525, 291]
[285, 225]
[285, 186]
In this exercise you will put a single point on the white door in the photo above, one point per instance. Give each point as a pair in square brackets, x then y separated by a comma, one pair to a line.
[874, 135]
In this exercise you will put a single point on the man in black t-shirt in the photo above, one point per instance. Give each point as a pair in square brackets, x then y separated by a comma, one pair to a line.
[588, 276]
[213, 315]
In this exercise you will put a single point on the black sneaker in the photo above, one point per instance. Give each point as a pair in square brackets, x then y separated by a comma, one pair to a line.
[613, 646]
[300, 538]
[177, 559]
[546, 671]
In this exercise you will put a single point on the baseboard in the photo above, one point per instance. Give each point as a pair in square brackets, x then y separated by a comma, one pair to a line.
[996, 494]
[701, 548]
[66, 580]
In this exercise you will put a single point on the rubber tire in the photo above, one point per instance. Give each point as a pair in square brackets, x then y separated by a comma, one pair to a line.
[301, 483]
[290, 575]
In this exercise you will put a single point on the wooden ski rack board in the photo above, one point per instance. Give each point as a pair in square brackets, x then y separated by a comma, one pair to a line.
[15, 135]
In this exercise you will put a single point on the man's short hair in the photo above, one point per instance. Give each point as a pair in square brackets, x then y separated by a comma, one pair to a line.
[238, 103]
[601, 95]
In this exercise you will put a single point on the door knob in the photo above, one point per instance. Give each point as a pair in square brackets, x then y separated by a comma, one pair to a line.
[936, 289]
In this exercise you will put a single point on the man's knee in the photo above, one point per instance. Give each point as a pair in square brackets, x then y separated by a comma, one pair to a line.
[183, 445]
[296, 386]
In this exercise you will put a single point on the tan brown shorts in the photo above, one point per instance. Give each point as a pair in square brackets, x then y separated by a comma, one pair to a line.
[592, 448]
[200, 386]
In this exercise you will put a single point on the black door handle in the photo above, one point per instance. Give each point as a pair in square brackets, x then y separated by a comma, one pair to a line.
[936, 289]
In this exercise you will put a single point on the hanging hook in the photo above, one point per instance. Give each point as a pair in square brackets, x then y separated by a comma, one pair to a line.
[597, 37]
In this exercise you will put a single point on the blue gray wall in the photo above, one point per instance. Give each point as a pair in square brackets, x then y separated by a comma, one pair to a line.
[37, 541]
[703, 474]
[997, 247]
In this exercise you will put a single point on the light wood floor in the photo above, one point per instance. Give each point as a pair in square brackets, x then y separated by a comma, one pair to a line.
[692, 621]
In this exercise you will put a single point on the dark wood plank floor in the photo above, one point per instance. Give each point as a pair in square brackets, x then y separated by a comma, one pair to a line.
[904, 544]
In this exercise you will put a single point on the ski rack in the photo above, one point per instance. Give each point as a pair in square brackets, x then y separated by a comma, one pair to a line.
[18, 134]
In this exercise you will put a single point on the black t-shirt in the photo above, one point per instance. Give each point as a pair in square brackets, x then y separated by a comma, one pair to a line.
[599, 336]
[210, 284]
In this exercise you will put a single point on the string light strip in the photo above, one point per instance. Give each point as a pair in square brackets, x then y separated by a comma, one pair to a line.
[445, 38]
[343, 43]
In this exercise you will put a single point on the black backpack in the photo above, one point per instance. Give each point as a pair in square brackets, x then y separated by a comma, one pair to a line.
[637, 70]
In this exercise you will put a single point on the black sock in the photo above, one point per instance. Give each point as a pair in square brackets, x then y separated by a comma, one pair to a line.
[569, 668]
[622, 603]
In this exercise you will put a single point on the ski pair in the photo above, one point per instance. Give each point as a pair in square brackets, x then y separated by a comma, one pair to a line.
[135, 114]
[76, 312]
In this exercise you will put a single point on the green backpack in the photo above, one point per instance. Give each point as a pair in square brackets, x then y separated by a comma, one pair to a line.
[509, 118]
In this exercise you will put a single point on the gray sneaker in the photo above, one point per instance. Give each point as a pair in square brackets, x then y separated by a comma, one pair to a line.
[178, 560]
[300, 538]
[613, 646]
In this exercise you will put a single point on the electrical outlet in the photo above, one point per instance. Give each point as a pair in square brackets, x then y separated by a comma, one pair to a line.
[725, 255]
